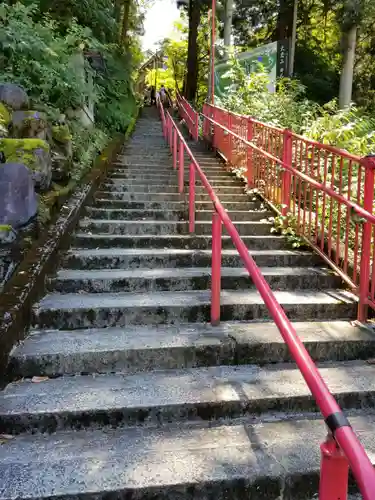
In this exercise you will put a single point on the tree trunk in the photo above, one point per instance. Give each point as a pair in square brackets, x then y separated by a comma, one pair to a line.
[192, 60]
[117, 9]
[125, 21]
[284, 20]
[349, 39]
[228, 23]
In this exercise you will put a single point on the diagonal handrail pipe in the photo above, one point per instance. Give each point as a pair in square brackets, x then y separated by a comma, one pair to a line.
[342, 447]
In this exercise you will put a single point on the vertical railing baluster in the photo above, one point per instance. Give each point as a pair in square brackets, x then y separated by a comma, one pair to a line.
[216, 268]
[192, 198]
[174, 149]
[286, 175]
[365, 261]
[181, 168]
[250, 173]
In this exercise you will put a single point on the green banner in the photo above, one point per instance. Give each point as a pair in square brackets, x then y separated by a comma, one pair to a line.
[273, 57]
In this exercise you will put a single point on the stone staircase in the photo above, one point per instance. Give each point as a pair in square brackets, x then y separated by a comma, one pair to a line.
[123, 389]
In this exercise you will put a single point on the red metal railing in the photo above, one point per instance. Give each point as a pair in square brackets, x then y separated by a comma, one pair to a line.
[341, 448]
[188, 113]
[326, 193]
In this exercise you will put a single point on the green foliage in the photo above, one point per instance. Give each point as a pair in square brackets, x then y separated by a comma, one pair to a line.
[87, 144]
[176, 52]
[286, 225]
[351, 129]
[249, 94]
[36, 56]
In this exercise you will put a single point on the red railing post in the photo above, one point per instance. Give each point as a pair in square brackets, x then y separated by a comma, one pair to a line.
[216, 269]
[250, 173]
[365, 261]
[230, 141]
[174, 150]
[170, 133]
[286, 176]
[213, 129]
[181, 168]
[196, 127]
[334, 472]
[191, 198]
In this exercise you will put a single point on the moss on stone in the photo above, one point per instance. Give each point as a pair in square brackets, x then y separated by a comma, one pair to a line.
[4, 116]
[22, 151]
[61, 133]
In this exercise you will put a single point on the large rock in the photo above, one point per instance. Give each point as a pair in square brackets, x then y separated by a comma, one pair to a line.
[29, 124]
[34, 154]
[18, 200]
[13, 96]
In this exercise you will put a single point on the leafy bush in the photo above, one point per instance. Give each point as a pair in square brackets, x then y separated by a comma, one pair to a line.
[351, 129]
[250, 95]
[36, 56]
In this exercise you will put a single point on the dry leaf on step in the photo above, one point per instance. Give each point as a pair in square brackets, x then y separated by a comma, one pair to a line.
[37, 380]
[4, 438]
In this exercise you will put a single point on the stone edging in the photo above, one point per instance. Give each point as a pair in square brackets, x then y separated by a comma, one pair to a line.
[27, 284]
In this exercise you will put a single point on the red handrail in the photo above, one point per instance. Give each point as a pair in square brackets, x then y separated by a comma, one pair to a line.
[342, 447]
[188, 113]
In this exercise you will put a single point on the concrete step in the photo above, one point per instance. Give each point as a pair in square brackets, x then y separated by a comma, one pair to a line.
[129, 258]
[168, 187]
[265, 461]
[137, 349]
[238, 215]
[204, 196]
[148, 173]
[99, 310]
[177, 241]
[160, 397]
[108, 203]
[158, 227]
[248, 204]
[134, 214]
[147, 197]
[223, 179]
[188, 278]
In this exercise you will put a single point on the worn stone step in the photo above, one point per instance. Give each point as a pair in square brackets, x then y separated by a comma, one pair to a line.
[177, 241]
[138, 349]
[240, 197]
[154, 177]
[188, 278]
[159, 397]
[129, 258]
[99, 310]
[128, 172]
[238, 215]
[167, 227]
[148, 197]
[265, 461]
[134, 214]
[248, 204]
[139, 205]
[162, 167]
[168, 187]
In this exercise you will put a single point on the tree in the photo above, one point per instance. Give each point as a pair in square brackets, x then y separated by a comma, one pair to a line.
[228, 21]
[350, 15]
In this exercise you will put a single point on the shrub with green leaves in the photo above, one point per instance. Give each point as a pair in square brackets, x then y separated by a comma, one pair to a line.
[352, 129]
